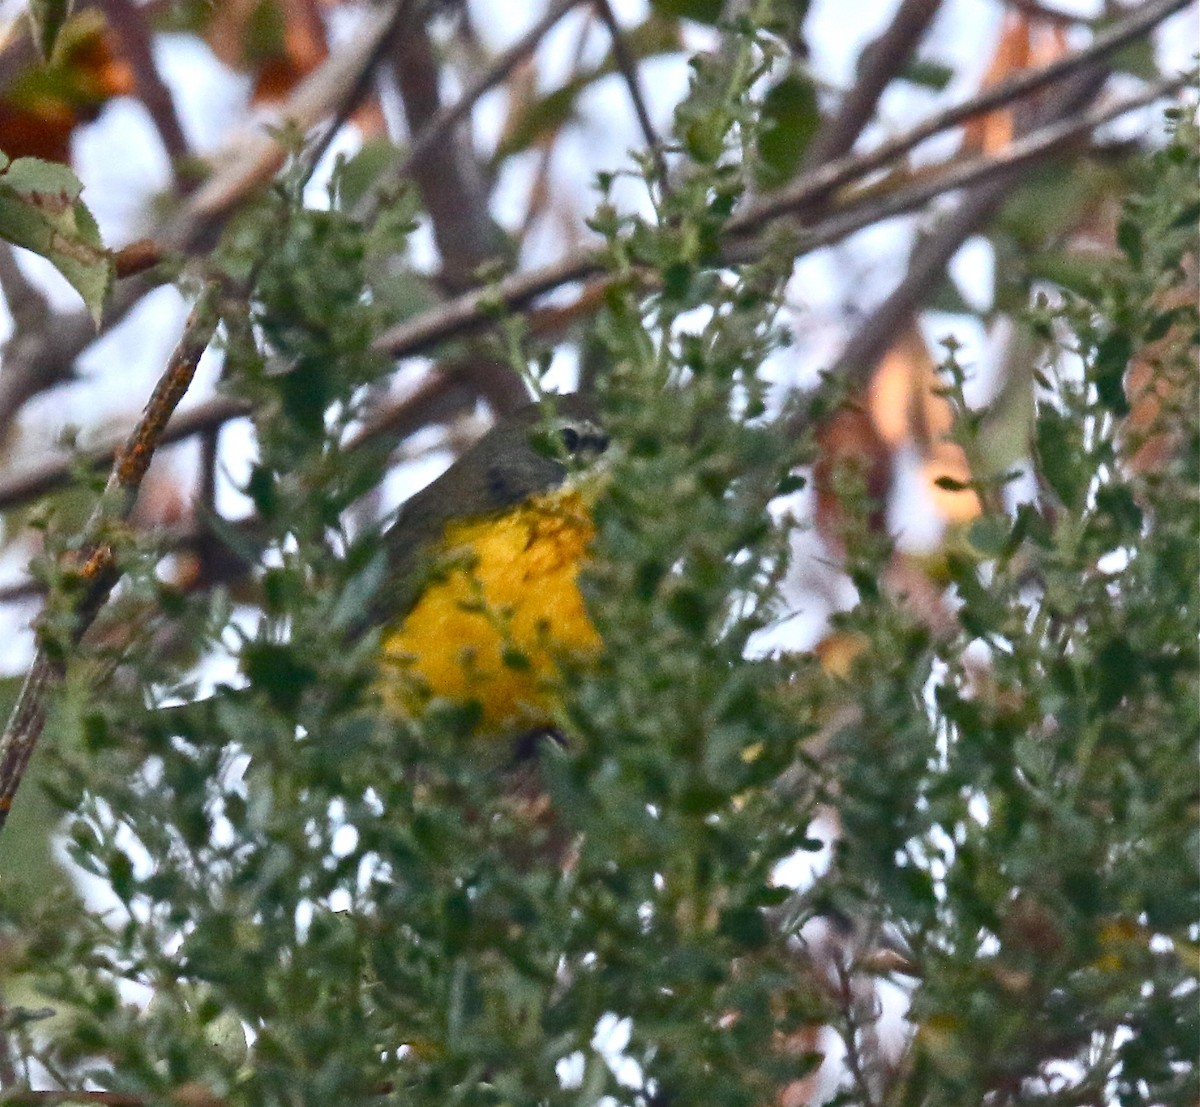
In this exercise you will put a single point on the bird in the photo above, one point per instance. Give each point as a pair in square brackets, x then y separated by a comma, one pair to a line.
[481, 598]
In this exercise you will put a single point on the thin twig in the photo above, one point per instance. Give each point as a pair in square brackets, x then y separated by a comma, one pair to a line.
[881, 61]
[129, 22]
[356, 88]
[257, 156]
[437, 127]
[1041, 144]
[98, 572]
[850, 1004]
[628, 67]
[476, 308]
[57, 472]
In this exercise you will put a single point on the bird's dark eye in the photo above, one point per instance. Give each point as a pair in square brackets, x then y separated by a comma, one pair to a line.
[570, 439]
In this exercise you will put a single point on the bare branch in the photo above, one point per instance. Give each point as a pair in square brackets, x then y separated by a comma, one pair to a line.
[628, 67]
[874, 337]
[474, 310]
[27, 305]
[98, 571]
[881, 61]
[252, 161]
[39, 360]
[451, 181]
[36, 358]
[477, 309]
[439, 125]
[56, 472]
[128, 20]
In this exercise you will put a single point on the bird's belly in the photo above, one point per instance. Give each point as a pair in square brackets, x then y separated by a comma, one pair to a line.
[493, 625]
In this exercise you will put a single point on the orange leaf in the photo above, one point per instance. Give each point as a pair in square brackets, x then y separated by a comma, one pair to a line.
[44, 104]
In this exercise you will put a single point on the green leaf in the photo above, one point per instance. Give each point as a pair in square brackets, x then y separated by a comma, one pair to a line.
[702, 11]
[1129, 238]
[543, 117]
[989, 535]
[1060, 452]
[790, 116]
[1112, 359]
[40, 210]
[275, 669]
[47, 18]
[927, 74]
[358, 175]
[1187, 217]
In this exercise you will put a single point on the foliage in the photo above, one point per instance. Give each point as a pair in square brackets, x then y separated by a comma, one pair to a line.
[322, 903]
[40, 209]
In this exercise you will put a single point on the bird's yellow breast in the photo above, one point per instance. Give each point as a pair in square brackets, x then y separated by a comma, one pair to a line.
[502, 609]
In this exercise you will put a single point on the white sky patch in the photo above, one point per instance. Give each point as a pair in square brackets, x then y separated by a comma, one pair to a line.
[973, 270]
[913, 517]
[802, 868]
[1115, 561]
[210, 98]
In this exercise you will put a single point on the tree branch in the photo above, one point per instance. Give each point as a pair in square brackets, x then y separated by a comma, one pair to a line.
[881, 61]
[252, 162]
[478, 308]
[98, 571]
[450, 179]
[976, 208]
[128, 20]
[820, 181]
[439, 125]
[628, 67]
[40, 359]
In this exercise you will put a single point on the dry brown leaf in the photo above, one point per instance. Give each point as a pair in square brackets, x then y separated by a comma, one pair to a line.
[42, 107]
[280, 42]
[849, 447]
[1026, 42]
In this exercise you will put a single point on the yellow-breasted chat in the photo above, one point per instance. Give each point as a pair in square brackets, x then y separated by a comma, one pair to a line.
[482, 597]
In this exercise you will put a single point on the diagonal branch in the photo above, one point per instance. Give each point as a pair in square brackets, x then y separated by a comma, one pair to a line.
[478, 308]
[98, 572]
[130, 23]
[436, 128]
[628, 67]
[977, 207]
[37, 359]
[881, 61]
[338, 81]
[453, 187]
